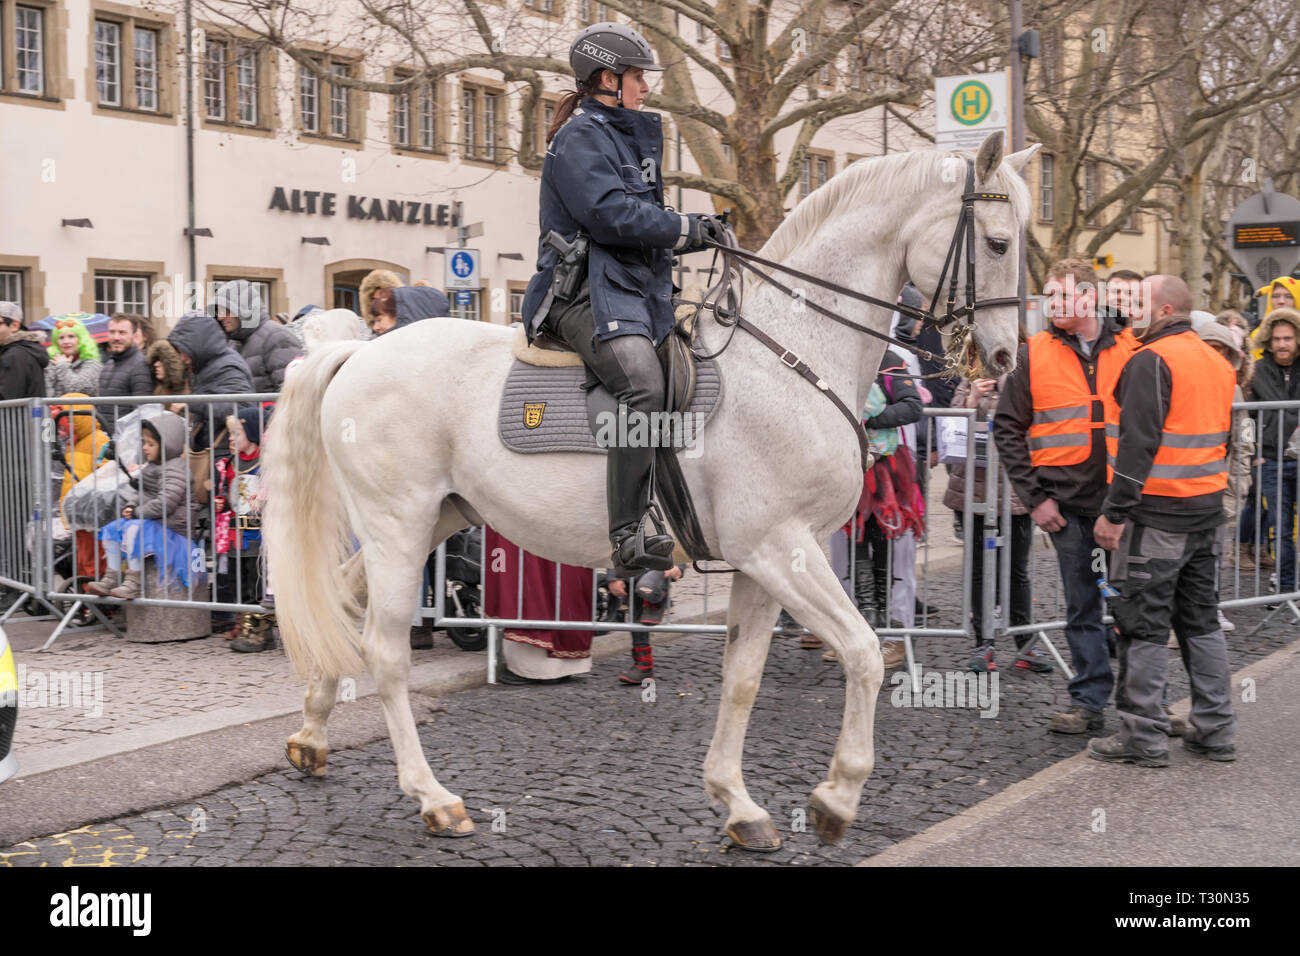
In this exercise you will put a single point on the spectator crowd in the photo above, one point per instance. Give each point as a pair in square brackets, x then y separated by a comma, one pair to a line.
[1115, 432]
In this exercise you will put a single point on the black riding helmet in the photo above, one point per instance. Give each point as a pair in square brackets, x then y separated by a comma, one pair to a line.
[610, 46]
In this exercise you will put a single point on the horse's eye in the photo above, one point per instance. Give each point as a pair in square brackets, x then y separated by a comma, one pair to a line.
[997, 246]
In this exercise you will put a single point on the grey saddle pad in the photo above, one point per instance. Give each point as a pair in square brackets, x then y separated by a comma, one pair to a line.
[547, 409]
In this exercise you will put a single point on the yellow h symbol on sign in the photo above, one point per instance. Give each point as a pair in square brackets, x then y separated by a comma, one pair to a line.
[971, 102]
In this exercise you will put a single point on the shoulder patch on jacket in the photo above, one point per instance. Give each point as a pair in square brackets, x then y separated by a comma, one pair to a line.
[598, 117]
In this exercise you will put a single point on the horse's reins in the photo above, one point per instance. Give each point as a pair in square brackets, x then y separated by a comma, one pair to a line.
[963, 243]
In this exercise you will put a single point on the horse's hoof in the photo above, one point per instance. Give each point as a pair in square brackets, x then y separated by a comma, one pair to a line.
[449, 821]
[758, 836]
[828, 825]
[307, 759]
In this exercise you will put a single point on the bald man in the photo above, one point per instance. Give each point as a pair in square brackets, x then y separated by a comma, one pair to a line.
[1167, 427]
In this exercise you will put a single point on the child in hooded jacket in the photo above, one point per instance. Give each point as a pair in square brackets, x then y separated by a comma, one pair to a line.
[159, 516]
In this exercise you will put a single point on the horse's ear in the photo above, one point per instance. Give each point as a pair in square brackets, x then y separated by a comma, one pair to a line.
[1018, 161]
[989, 158]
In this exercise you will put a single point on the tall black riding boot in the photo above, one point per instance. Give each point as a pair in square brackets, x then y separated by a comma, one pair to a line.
[637, 546]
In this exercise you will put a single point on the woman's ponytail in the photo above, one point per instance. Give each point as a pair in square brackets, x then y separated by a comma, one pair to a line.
[569, 102]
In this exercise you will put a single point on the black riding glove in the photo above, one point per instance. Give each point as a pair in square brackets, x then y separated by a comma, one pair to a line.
[701, 229]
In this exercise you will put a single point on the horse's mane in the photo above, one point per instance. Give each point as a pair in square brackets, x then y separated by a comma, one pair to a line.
[867, 180]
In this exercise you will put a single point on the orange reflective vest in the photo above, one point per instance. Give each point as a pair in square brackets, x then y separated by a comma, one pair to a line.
[1060, 432]
[1193, 455]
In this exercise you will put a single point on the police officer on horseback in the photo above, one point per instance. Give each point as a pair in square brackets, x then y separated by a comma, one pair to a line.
[603, 285]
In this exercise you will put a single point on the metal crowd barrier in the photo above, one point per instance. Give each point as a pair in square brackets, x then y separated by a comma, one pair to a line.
[32, 565]
[45, 571]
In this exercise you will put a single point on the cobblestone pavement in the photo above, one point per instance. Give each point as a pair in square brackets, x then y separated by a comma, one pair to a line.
[123, 687]
[591, 773]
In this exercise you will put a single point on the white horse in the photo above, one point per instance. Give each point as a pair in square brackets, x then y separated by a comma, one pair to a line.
[395, 441]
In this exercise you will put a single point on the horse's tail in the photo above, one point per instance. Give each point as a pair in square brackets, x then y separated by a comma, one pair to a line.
[316, 575]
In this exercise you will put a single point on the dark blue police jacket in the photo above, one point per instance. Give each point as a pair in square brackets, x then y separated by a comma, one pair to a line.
[602, 176]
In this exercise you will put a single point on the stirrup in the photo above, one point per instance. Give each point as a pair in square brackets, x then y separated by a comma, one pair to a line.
[653, 552]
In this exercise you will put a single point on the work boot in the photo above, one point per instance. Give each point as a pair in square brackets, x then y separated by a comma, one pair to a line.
[111, 579]
[129, 589]
[643, 666]
[894, 653]
[631, 515]
[1076, 720]
[256, 634]
[1224, 754]
[1114, 750]
[1246, 557]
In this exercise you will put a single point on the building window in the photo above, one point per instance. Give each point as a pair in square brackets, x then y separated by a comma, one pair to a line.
[1131, 222]
[122, 294]
[1090, 191]
[545, 116]
[428, 115]
[728, 153]
[232, 73]
[724, 51]
[699, 32]
[246, 85]
[108, 62]
[214, 80]
[338, 102]
[468, 118]
[589, 12]
[824, 75]
[11, 287]
[145, 43]
[1046, 187]
[816, 170]
[490, 101]
[309, 95]
[129, 70]
[481, 118]
[415, 116]
[402, 119]
[29, 48]
[516, 305]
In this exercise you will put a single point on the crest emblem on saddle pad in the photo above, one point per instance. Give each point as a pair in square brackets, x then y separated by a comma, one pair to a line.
[533, 413]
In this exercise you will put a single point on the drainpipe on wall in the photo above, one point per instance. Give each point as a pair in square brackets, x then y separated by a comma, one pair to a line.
[189, 135]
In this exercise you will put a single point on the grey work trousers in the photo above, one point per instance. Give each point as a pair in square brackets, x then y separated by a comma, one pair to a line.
[1167, 579]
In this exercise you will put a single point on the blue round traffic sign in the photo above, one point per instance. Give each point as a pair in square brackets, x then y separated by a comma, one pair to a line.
[462, 264]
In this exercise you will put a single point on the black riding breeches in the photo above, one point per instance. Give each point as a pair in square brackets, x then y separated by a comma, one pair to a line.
[627, 365]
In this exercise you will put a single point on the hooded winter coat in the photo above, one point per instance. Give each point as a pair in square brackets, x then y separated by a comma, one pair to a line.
[88, 439]
[216, 368]
[22, 366]
[265, 345]
[1276, 383]
[174, 380]
[418, 302]
[163, 489]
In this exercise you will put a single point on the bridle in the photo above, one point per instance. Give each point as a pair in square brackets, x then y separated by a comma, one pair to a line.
[957, 320]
